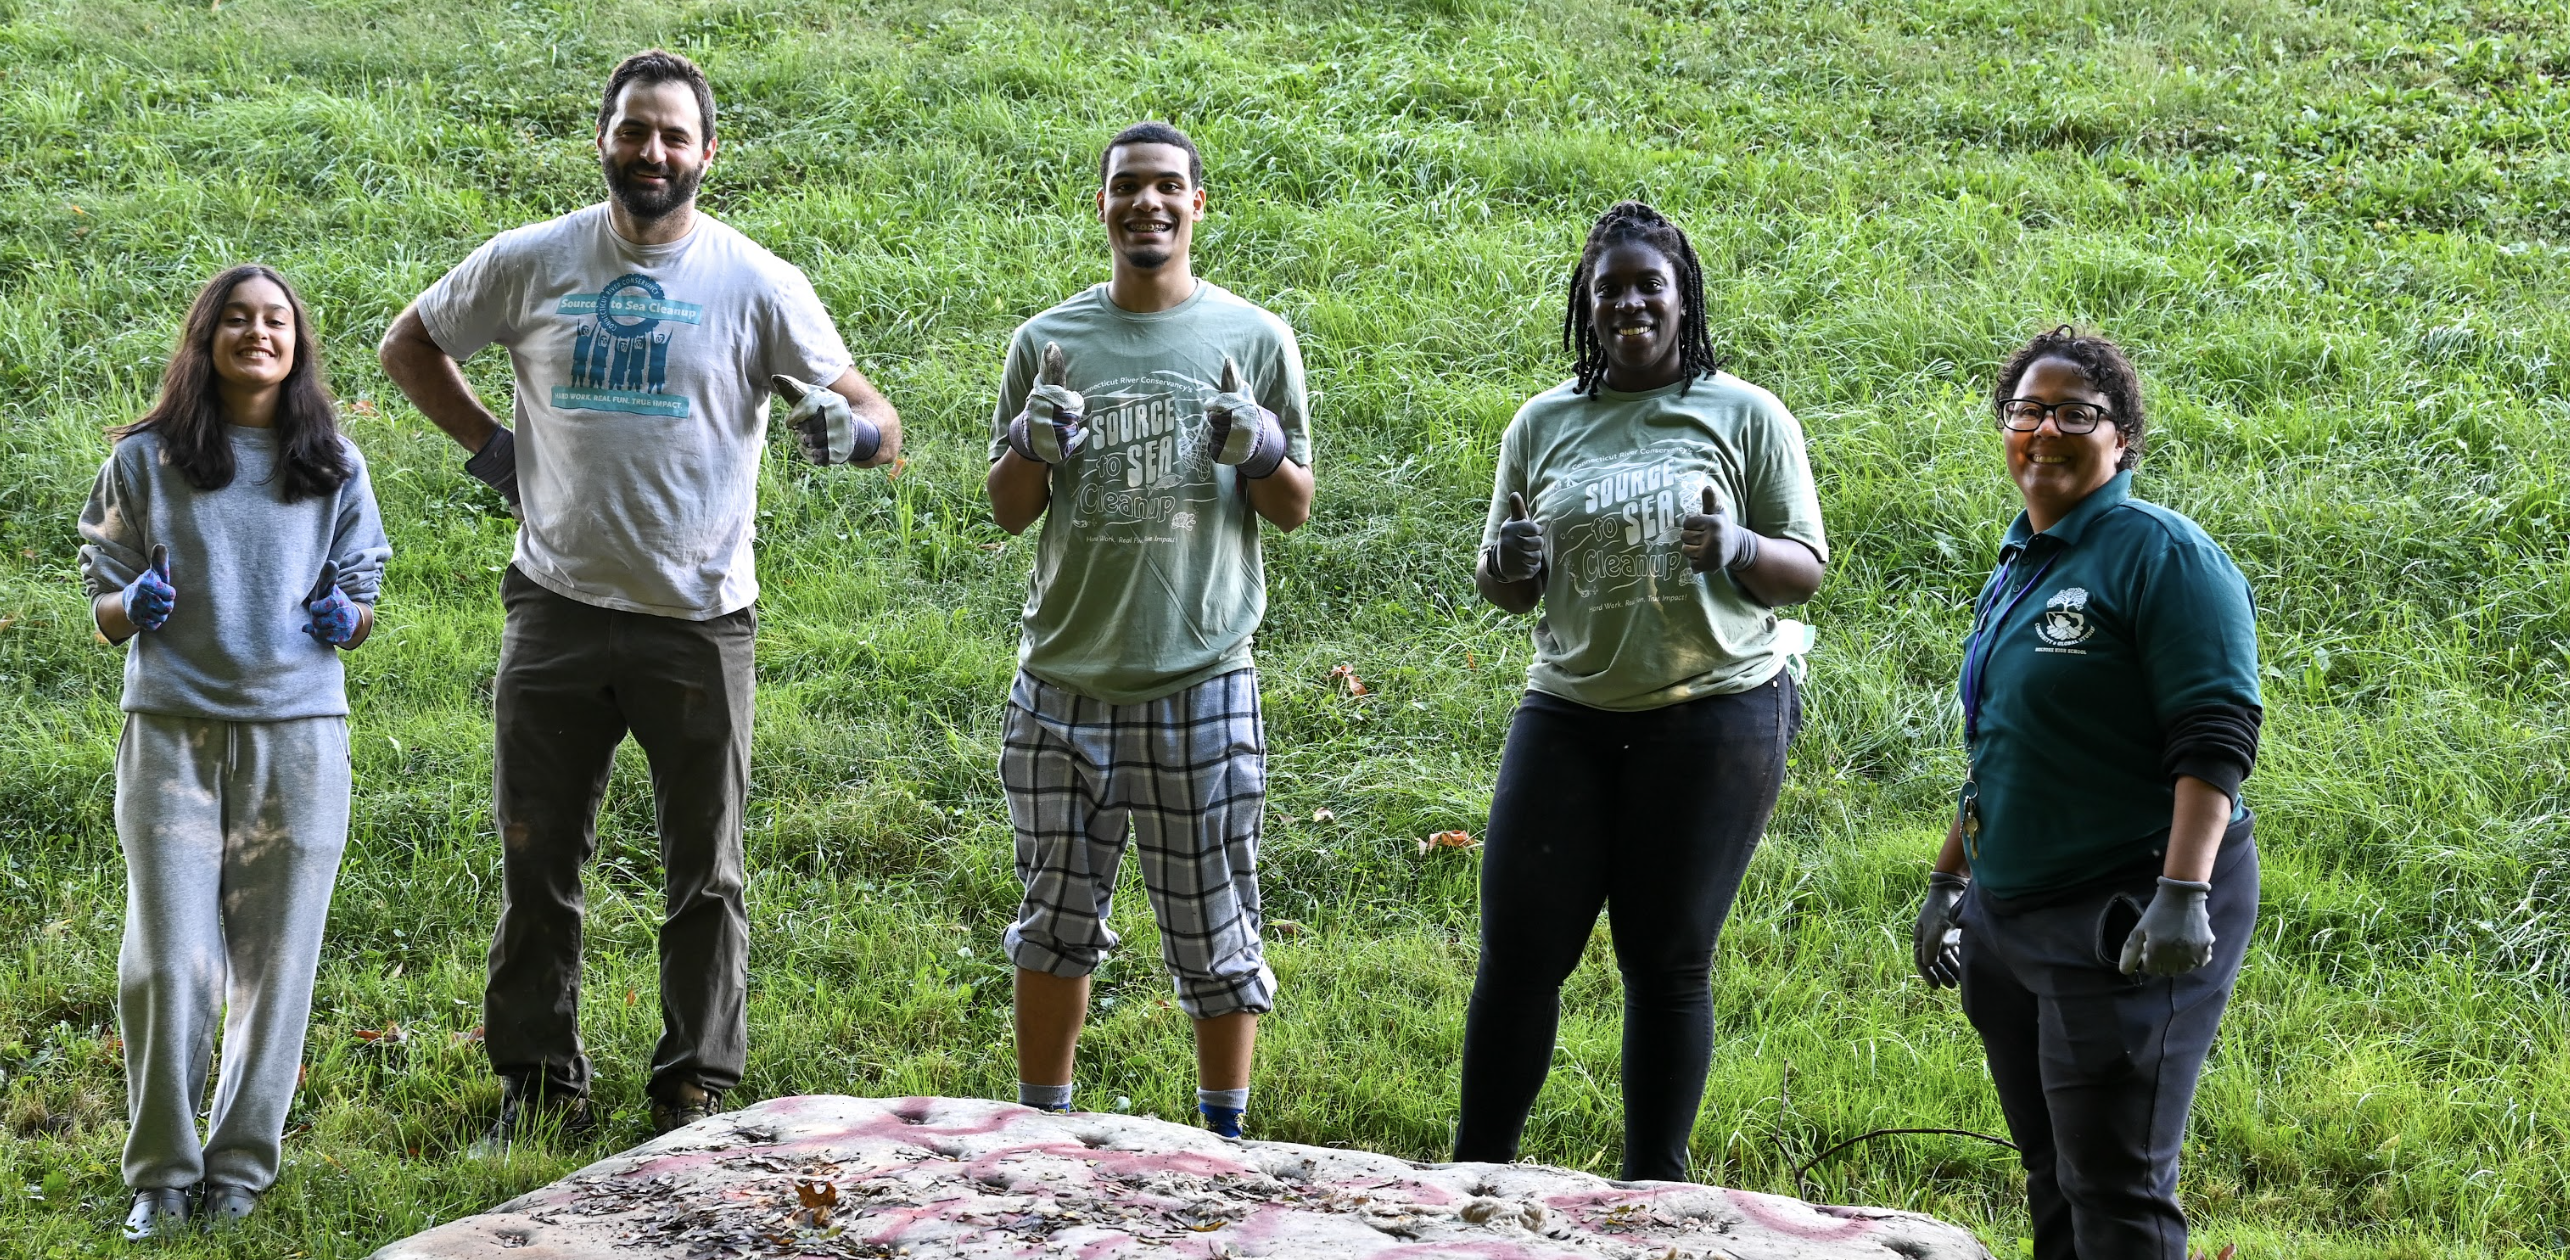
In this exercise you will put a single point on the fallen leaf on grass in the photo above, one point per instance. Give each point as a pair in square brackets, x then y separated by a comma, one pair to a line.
[1321, 815]
[471, 1038]
[389, 1034]
[1448, 840]
[899, 462]
[1345, 677]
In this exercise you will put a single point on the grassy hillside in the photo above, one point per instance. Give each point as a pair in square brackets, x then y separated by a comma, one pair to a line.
[2333, 234]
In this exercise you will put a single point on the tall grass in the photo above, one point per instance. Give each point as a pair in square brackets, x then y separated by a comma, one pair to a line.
[2332, 232]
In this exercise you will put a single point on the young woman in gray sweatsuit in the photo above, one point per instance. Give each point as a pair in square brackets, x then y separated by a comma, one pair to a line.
[233, 546]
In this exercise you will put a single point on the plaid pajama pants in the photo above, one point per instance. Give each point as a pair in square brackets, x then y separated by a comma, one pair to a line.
[1189, 773]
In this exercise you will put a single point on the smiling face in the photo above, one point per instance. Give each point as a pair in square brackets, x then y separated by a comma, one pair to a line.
[654, 149]
[1634, 304]
[255, 337]
[2055, 470]
[1149, 205]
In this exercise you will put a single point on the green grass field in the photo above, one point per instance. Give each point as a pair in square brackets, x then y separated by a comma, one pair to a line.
[2333, 235]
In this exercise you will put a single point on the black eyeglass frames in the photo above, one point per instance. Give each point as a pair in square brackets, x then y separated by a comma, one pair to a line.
[2025, 415]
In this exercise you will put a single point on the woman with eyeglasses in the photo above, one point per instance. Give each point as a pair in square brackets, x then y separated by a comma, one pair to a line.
[2099, 867]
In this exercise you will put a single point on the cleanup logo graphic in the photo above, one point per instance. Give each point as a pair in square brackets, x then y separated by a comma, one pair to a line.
[1618, 540]
[1149, 473]
[620, 355]
[2064, 622]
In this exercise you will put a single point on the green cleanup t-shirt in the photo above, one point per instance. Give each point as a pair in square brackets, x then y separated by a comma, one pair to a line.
[1626, 624]
[2134, 617]
[1147, 575]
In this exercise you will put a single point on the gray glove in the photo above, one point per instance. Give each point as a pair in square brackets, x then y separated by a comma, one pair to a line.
[1518, 556]
[1048, 430]
[1713, 541]
[496, 464]
[826, 429]
[2175, 935]
[1936, 943]
[1239, 431]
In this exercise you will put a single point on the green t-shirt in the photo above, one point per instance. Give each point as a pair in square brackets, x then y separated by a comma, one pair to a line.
[1626, 624]
[2134, 617]
[1147, 575]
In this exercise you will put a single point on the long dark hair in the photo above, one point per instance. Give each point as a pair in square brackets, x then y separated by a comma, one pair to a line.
[1637, 221]
[188, 418]
[2108, 368]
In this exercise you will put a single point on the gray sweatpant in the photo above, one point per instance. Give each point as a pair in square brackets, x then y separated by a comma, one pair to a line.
[232, 834]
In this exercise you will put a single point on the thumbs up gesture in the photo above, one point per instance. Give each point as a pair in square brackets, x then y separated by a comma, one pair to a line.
[826, 429]
[1049, 429]
[1713, 541]
[149, 598]
[1238, 431]
[1518, 556]
[334, 616]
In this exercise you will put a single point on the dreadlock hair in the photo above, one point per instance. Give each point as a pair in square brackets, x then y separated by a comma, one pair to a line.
[1636, 222]
[189, 415]
[2107, 369]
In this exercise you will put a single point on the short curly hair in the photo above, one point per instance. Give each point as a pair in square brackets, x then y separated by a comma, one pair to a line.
[2107, 368]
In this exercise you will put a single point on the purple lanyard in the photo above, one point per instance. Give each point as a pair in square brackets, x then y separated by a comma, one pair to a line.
[1976, 657]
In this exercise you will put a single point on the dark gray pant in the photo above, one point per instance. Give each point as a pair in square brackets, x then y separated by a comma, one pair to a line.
[2095, 1069]
[574, 680]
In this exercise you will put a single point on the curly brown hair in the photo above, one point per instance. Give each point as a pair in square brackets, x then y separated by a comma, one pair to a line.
[2107, 368]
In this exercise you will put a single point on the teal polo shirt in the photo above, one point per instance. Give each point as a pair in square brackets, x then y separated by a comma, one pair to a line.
[2099, 633]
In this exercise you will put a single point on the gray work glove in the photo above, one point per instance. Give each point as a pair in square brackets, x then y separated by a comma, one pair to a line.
[1713, 541]
[1518, 556]
[1048, 430]
[496, 465]
[1936, 944]
[1239, 431]
[2175, 935]
[826, 429]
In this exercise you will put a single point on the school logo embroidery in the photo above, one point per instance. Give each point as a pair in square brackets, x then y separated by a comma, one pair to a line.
[2064, 622]
[620, 355]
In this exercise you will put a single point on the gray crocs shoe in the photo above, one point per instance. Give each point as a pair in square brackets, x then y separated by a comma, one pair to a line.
[156, 1214]
[225, 1207]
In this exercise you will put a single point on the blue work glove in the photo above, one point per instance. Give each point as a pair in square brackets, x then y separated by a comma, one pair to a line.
[1714, 542]
[1238, 431]
[1936, 943]
[334, 615]
[1518, 556]
[149, 598]
[2175, 935]
[826, 429]
[496, 465]
[1049, 430]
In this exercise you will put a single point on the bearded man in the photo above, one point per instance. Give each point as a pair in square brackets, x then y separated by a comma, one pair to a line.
[645, 338]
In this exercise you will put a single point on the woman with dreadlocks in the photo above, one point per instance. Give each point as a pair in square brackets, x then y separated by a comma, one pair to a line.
[1658, 509]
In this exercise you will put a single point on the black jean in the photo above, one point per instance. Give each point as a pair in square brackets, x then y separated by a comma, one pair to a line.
[1651, 817]
[574, 679]
[2096, 1070]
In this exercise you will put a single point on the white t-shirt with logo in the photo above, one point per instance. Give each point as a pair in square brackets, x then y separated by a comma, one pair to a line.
[642, 387]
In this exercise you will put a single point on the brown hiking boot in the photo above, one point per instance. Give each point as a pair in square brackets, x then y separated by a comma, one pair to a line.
[684, 1105]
